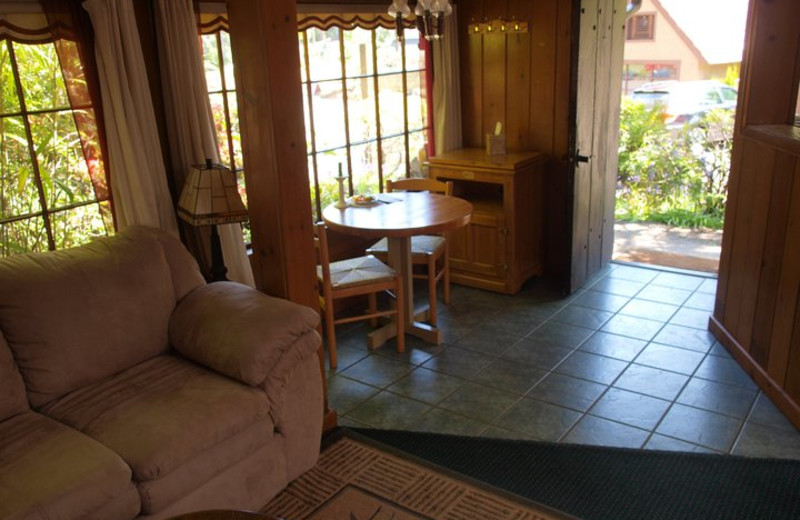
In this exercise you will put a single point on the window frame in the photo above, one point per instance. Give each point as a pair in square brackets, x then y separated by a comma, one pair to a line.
[102, 198]
[371, 22]
[632, 32]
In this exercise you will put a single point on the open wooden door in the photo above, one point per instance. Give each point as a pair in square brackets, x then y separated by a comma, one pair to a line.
[596, 135]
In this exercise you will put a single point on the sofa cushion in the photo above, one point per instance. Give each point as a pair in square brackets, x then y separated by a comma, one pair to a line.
[49, 471]
[161, 414]
[12, 390]
[76, 316]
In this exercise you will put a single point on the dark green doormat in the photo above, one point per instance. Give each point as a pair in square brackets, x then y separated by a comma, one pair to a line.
[596, 483]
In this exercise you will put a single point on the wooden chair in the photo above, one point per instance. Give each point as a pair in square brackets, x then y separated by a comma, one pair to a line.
[426, 250]
[365, 275]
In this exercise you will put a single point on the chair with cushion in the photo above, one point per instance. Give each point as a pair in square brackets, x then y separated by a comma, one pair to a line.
[427, 250]
[365, 275]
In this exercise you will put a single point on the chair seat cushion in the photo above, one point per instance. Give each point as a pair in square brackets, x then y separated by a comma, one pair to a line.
[50, 471]
[358, 271]
[162, 414]
[420, 245]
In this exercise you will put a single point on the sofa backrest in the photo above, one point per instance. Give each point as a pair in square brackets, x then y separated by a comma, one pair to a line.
[75, 316]
[12, 390]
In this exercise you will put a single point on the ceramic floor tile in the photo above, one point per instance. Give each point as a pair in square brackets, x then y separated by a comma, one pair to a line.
[757, 440]
[468, 310]
[651, 381]
[601, 300]
[538, 419]
[346, 356]
[649, 310]
[632, 327]
[487, 341]
[618, 286]
[562, 334]
[601, 432]
[541, 355]
[718, 350]
[662, 443]
[512, 377]
[426, 385]
[694, 318]
[389, 411]
[709, 286]
[614, 345]
[718, 397]
[708, 429]
[634, 274]
[583, 316]
[345, 394]
[630, 408]
[661, 294]
[443, 421]
[767, 414]
[566, 391]
[479, 402]
[678, 281]
[459, 362]
[592, 367]
[416, 352]
[377, 371]
[670, 358]
[539, 311]
[516, 323]
[453, 329]
[685, 337]
[724, 370]
[496, 432]
[702, 301]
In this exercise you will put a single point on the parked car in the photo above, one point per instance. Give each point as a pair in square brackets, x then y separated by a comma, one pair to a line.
[686, 102]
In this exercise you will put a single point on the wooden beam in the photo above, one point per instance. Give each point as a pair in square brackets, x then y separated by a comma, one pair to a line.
[265, 50]
[264, 42]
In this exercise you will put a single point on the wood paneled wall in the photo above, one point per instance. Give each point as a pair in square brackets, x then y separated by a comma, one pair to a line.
[524, 81]
[757, 312]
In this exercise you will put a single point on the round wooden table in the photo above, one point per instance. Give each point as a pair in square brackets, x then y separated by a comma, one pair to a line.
[398, 216]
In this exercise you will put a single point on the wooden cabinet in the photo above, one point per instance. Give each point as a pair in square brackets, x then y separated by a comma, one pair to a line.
[502, 246]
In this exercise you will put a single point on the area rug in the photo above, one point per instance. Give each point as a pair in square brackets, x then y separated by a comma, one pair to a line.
[596, 483]
[355, 480]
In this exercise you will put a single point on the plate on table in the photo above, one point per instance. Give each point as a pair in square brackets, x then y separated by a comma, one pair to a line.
[364, 200]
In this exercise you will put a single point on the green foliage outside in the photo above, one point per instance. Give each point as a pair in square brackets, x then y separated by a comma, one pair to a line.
[46, 141]
[679, 178]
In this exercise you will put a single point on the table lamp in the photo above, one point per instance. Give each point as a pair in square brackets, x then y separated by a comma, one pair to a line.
[210, 198]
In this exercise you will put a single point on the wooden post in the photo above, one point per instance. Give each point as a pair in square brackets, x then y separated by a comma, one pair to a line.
[267, 67]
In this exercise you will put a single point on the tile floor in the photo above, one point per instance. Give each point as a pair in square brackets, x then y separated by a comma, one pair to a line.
[626, 361]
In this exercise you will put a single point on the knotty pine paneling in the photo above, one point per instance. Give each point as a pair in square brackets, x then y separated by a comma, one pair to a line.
[757, 315]
[524, 81]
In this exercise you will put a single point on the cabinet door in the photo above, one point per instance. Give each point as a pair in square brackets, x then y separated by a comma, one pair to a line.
[479, 248]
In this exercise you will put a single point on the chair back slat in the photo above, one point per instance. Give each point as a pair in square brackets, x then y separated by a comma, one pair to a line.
[419, 184]
[321, 243]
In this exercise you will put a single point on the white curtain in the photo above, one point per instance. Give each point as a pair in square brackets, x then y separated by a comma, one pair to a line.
[190, 121]
[138, 177]
[447, 89]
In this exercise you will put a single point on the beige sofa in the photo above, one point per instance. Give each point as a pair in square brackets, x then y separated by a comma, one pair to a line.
[131, 388]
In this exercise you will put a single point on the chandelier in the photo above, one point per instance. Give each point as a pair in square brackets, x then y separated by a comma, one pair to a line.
[429, 14]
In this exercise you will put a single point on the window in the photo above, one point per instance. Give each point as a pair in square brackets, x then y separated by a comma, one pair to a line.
[366, 103]
[640, 27]
[218, 64]
[53, 188]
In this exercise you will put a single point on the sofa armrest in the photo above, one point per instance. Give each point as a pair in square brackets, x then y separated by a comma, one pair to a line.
[242, 333]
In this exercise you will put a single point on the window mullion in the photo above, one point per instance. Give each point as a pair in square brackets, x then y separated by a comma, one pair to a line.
[312, 132]
[405, 106]
[51, 243]
[343, 63]
[225, 106]
[377, 108]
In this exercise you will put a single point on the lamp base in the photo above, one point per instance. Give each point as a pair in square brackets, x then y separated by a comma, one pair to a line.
[218, 269]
